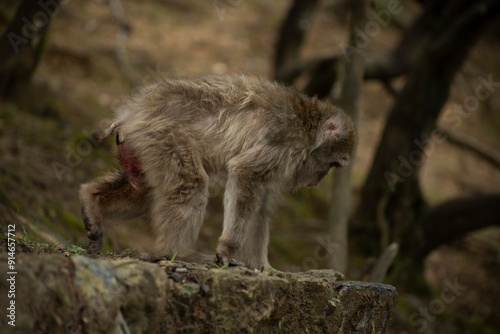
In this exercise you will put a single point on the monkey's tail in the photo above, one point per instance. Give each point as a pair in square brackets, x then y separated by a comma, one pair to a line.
[109, 131]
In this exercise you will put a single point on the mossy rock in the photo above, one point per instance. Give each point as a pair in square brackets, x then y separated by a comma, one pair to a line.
[58, 294]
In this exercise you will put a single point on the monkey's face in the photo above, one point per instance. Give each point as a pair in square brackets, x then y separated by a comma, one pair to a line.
[338, 141]
[324, 158]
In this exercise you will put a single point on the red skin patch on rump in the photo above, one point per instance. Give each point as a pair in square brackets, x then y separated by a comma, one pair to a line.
[131, 165]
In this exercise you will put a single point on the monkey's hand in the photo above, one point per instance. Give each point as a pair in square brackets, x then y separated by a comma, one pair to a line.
[224, 260]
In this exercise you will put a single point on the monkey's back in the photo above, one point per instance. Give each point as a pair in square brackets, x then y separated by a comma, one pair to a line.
[218, 117]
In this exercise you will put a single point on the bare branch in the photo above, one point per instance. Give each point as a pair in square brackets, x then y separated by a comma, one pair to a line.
[474, 146]
[455, 218]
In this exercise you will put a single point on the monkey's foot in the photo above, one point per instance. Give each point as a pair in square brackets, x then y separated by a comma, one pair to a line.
[94, 245]
[224, 260]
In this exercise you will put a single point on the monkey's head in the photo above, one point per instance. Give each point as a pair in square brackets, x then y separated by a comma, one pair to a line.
[335, 146]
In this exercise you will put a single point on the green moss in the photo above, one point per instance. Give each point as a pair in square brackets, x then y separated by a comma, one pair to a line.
[188, 290]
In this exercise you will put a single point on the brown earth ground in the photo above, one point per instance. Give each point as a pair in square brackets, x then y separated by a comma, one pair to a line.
[46, 154]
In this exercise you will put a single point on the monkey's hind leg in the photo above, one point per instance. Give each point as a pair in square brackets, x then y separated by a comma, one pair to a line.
[176, 219]
[110, 196]
[179, 186]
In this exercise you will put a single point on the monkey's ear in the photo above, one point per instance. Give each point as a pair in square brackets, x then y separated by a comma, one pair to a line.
[332, 127]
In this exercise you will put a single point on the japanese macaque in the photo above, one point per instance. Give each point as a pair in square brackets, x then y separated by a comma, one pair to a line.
[178, 137]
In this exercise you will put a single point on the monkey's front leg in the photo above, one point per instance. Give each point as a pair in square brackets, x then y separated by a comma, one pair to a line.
[244, 231]
[254, 249]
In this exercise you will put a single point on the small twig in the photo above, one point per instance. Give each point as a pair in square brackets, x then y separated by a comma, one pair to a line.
[382, 222]
[383, 263]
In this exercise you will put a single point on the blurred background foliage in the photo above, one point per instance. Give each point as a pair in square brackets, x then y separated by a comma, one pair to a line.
[427, 65]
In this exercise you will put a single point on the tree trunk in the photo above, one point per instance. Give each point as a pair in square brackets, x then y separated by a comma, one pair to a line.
[349, 101]
[292, 35]
[22, 44]
[393, 178]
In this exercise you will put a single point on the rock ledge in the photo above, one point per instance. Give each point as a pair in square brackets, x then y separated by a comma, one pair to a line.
[58, 294]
